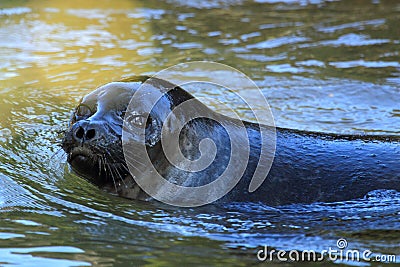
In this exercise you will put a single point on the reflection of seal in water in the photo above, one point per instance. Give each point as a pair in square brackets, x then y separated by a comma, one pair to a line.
[308, 166]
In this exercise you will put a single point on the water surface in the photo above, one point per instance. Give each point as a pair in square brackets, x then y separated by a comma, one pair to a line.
[324, 66]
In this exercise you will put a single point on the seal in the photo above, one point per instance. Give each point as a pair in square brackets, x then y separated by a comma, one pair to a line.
[307, 167]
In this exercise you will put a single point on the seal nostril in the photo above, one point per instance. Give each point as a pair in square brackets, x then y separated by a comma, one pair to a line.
[79, 133]
[90, 134]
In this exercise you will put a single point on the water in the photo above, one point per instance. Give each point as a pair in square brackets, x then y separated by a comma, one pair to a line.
[324, 66]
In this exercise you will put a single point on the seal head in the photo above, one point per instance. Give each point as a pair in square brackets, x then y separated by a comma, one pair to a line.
[93, 141]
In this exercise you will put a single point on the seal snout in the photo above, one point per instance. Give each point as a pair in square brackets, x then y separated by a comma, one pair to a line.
[81, 134]
[85, 131]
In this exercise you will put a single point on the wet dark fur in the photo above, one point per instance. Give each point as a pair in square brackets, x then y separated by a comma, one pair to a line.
[308, 166]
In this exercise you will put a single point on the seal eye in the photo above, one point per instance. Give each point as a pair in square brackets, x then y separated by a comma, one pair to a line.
[137, 120]
[83, 111]
[140, 120]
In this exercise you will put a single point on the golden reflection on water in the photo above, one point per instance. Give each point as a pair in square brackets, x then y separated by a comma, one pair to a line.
[64, 43]
[56, 51]
[338, 66]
